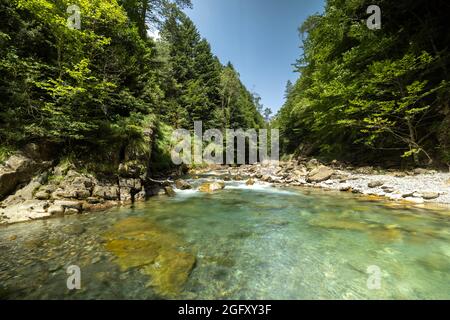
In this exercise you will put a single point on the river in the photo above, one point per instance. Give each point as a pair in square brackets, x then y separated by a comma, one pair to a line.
[244, 242]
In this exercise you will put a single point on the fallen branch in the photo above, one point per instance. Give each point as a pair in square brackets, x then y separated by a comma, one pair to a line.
[162, 182]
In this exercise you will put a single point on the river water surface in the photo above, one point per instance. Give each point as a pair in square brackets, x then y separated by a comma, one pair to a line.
[243, 242]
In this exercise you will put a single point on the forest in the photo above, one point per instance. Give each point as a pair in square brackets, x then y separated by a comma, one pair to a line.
[372, 96]
[108, 86]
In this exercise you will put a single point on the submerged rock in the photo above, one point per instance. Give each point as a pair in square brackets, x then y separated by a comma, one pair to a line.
[74, 230]
[329, 223]
[139, 243]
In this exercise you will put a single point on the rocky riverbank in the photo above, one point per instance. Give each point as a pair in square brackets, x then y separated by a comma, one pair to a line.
[416, 186]
[39, 189]
[32, 188]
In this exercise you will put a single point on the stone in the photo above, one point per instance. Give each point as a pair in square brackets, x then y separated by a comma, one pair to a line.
[55, 210]
[141, 195]
[182, 185]
[93, 200]
[408, 195]
[72, 192]
[365, 170]
[419, 171]
[42, 195]
[320, 174]
[312, 164]
[107, 192]
[250, 182]
[69, 204]
[211, 187]
[18, 169]
[27, 210]
[375, 184]
[70, 211]
[399, 174]
[430, 195]
[345, 187]
[169, 191]
[26, 193]
[388, 189]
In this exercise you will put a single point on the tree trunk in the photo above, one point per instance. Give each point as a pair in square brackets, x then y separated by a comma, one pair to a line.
[412, 140]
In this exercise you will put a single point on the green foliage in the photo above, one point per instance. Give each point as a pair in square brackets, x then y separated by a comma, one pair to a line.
[5, 152]
[362, 92]
[107, 93]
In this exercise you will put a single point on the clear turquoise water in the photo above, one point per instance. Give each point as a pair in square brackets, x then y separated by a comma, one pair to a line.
[250, 243]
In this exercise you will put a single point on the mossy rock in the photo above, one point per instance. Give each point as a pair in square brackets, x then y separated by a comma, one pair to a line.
[139, 243]
[330, 223]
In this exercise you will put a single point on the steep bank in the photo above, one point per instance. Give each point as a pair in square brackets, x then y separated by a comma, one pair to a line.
[32, 188]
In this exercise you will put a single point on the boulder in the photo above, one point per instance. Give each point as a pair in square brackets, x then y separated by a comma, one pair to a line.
[399, 174]
[375, 184]
[69, 205]
[211, 187]
[169, 191]
[430, 195]
[28, 210]
[69, 211]
[312, 164]
[26, 193]
[72, 192]
[107, 192]
[365, 170]
[345, 187]
[157, 252]
[18, 169]
[182, 185]
[387, 189]
[408, 195]
[42, 195]
[419, 171]
[55, 210]
[250, 182]
[93, 200]
[320, 174]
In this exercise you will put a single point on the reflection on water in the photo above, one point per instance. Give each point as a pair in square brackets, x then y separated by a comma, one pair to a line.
[241, 243]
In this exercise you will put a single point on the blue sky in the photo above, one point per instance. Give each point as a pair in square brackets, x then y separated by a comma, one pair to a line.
[260, 38]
